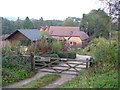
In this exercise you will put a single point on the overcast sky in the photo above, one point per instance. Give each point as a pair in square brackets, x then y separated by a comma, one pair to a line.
[48, 9]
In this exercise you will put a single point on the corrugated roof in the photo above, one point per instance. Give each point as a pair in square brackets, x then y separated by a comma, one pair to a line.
[67, 31]
[32, 34]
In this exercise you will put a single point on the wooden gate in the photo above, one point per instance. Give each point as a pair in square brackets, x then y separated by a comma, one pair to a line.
[58, 65]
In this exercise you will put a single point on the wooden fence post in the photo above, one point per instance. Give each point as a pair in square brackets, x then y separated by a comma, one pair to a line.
[32, 61]
[87, 63]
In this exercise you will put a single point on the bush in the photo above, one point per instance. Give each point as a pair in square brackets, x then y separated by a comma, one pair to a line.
[13, 61]
[105, 55]
[15, 68]
[50, 55]
[71, 55]
[57, 46]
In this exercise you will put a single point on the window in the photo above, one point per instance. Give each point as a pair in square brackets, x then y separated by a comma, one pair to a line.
[70, 42]
[51, 32]
[71, 32]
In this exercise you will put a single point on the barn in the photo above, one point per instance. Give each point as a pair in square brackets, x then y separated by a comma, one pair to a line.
[24, 34]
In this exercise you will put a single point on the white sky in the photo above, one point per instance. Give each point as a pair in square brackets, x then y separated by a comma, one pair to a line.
[48, 9]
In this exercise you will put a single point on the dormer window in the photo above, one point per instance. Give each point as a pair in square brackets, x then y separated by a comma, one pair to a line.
[51, 32]
[71, 32]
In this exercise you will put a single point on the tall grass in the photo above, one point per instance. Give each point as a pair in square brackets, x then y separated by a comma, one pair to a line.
[104, 73]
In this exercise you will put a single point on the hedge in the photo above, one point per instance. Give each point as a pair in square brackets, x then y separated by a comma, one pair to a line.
[71, 55]
[50, 55]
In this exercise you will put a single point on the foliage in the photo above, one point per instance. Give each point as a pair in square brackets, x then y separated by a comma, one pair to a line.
[12, 48]
[18, 24]
[113, 7]
[79, 51]
[7, 26]
[104, 72]
[50, 55]
[96, 23]
[51, 40]
[25, 42]
[53, 22]
[89, 79]
[28, 24]
[15, 68]
[56, 46]
[70, 54]
[71, 22]
[105, 56]
[41, 82]
[39, 46]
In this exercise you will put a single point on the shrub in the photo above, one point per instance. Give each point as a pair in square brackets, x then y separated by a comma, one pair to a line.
[71, 55]
[105, 56]
[15, 68]
[13, 61]
[50, 55]
[57, 46]
[38, 46]
[13, 48]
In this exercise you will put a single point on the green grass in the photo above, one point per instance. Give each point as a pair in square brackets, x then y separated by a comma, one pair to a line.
[92, 80]
[14, 69]
[115, 32]
[41, 82]
[13, 75]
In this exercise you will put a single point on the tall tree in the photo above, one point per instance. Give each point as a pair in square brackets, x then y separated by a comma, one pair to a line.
[18, 24]
[41, 22]
[113, 7]
[28, 24]
[8, 27]
[36, 23]
[95, 23]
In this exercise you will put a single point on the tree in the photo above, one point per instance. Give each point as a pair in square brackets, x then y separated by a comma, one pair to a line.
[95, 23]
[41, 21]
[53, 22]
[36, 23]
[71, 21]
[28, 24]
[8, 27]
[113, 7]
[18, 24]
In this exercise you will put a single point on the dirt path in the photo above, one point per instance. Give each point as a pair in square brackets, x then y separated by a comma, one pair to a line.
[83, 57]
[64, 77]
[38, 75]
[60, 81]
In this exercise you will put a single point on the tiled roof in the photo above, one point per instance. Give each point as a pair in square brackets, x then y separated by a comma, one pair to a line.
[32, 34]
[67, 31]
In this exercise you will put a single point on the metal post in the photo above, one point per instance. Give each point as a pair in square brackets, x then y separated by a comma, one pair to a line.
[91, 62]
[32, 62]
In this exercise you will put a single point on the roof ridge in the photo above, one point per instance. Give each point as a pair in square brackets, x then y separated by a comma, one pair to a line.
[65, 26]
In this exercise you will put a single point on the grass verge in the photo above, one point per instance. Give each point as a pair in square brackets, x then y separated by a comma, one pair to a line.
[41, 82]
[13, 75]
[93, 80]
